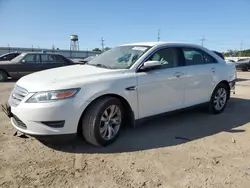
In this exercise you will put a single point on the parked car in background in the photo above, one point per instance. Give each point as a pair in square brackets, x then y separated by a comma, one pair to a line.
[83, 61]
[31, 62]
[119, 87]
[9, 56]
[230, 60]
[243, 65]
[87, 59]
[219, 54]
[77, 60]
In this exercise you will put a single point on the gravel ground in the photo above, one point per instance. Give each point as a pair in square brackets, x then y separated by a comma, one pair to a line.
[180, 150]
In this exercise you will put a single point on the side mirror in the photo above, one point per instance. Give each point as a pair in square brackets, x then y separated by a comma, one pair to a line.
[149, 65]
[23, 61]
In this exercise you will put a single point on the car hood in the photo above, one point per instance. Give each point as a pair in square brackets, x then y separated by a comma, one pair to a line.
[65, 77]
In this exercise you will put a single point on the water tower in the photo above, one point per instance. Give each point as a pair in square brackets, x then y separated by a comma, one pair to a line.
[74, 43]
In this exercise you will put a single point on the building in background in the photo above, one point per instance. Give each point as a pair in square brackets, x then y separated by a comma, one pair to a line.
[67, 53]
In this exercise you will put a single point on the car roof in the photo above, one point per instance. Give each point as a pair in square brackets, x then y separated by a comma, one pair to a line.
[151, 44]
[25, 53]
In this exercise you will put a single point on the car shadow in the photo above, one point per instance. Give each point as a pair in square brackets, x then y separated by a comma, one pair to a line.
[241, 79]
[168, 130]
[11, 80]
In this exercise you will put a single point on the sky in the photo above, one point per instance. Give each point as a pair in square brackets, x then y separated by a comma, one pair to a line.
[225, 24]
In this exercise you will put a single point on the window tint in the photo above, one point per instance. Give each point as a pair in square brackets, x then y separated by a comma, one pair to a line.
[168, 57]
[48, 58]
[197, 57]
[58, 59]
[31, 58]
[65, 60]
[7, 57]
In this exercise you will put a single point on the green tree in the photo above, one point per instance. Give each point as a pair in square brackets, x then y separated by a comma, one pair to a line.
[96, 50]
[107, 48]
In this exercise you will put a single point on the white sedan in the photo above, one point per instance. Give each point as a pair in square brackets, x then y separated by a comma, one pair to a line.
[120, 86]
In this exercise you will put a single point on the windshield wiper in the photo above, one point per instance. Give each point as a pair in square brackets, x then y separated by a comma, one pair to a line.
[98, 65]
[103, 66]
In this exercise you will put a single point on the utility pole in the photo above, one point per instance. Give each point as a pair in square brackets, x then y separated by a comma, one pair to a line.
[53, 48]
[240, 53]
[158, 35]
[102, 44]
[202, 40]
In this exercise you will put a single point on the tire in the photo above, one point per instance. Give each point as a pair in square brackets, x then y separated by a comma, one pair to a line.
[222, 100]
[244, 69]
[3, 76]
[95, 120]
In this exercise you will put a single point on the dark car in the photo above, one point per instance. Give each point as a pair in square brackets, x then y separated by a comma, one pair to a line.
[83, 61]
[243, 65]
[219, 54]
[27, 63]
[9, 56]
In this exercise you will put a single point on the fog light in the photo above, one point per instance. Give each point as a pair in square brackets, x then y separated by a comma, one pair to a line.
[54, 124]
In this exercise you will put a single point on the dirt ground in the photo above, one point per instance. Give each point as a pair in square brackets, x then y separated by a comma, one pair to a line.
[213, 152]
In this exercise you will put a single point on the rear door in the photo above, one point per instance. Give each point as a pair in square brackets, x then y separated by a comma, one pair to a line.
[30, 63]
[51, 61]
[201, 76]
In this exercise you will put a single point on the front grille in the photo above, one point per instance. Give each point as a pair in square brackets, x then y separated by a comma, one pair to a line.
[17, 95]
[19, 123]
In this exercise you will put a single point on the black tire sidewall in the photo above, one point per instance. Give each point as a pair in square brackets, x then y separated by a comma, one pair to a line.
[244, 69]
[4, 76]
[211, 104]
[99, 139]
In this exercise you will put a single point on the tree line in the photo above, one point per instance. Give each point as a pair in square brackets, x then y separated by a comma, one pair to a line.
[99, 50]
[236, 53]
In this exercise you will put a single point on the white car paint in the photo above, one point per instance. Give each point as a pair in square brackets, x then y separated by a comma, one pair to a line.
[154, 93]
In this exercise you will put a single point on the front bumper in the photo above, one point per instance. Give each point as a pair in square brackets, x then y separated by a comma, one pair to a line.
[29, 118]
[232, 86]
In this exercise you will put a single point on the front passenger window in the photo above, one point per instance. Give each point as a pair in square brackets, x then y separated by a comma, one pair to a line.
[31, 58]
[168, 57]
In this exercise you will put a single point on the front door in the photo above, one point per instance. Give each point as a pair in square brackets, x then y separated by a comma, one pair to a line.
[163, 89]
[30, 63]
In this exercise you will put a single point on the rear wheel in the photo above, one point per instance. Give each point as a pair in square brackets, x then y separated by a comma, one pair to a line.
[219, 99]
[244, 69]
[102, 121]
[3, 76]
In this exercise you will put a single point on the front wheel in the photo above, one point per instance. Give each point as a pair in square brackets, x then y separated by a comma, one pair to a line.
[102, 121]
[219, 99]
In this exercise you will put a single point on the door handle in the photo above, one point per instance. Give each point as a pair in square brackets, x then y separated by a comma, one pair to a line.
[178, 74]
[213, 70]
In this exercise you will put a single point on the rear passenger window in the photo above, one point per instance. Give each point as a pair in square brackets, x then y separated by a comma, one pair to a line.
[197, 57]
[47, 58]
[58, 59]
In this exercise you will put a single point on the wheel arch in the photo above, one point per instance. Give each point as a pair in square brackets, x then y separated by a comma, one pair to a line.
[223, 82]
[5, 72]
[129, 114]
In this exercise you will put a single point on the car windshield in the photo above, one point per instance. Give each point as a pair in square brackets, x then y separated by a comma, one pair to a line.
[121, 57]
[18, 58]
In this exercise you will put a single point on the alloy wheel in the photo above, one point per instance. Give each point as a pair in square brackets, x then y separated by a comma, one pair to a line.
[220, 99]
[110, 122]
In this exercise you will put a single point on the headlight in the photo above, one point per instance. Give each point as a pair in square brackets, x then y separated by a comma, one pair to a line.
[53, 95]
